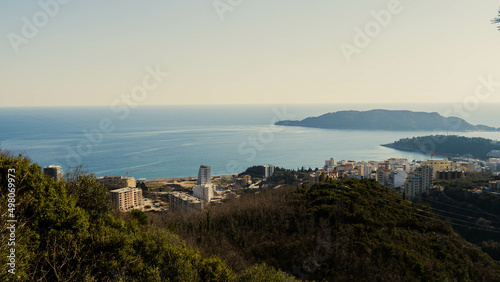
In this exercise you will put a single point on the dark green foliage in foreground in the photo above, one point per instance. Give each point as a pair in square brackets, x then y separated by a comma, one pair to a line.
[470, 181]
[140, 216]
[476, 216]
[350, 230]
[394, 234]
[68, 232]
[262, 272]
[451, 145]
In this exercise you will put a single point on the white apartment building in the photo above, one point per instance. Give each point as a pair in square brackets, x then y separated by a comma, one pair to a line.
[268, 171]
[204, 192]
[329, 164]
[397, 178]
[419, 181]
[180, 201]
[126, 199]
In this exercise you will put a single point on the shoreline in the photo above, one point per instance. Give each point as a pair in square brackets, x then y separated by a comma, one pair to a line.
[177, 179]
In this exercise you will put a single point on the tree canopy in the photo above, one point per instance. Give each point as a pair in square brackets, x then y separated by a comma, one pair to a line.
[67, 231]
[497, 19]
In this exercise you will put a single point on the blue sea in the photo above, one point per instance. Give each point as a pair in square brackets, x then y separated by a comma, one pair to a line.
[173, 141]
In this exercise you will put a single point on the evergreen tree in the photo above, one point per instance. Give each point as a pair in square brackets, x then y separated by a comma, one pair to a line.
[497, 19]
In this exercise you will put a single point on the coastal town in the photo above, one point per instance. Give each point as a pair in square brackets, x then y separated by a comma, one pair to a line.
[190, 194]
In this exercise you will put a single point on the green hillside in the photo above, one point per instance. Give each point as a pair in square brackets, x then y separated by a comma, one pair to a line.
[475, 216]
[350, 230]
[451, 145]
[69, 232]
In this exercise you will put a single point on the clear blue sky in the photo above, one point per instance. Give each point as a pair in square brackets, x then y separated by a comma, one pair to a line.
[281, 51]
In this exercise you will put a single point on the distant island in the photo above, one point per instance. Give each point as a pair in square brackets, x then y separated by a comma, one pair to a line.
[387, 120]
[454, 146]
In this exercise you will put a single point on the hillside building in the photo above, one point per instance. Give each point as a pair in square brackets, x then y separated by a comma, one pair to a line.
[383, 176]
[397, 178]
[438, 165]
[330, 164]
[204, 189]
[413, 186]
[126, 199]
[204, 192]
[418, 181]
[180, 201]
[268, 171]
[450, 174]
[367, 170]
[116, 182]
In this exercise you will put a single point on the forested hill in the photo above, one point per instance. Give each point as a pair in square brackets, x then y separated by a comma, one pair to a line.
[451, 145]
[68, 231]
[387, 120]
[348, 230]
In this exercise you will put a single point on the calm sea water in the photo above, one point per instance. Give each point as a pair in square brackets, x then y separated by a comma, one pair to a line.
[172, 141]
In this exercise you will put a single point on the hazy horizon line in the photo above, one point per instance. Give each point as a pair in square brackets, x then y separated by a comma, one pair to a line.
[240, 104]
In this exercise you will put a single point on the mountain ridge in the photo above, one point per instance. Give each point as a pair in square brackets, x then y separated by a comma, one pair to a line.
[390, 120]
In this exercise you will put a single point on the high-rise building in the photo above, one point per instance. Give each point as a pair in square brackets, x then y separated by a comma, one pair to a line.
[268, 171]
[204, 175]
[367, 170]
[383, 176]
[126, 199]
[54, 172]
[438, 165]
[412, 186]
[204, 189]
[426, 172]
[397, 178]
[329, 164]
[419, 181]
[360, 169]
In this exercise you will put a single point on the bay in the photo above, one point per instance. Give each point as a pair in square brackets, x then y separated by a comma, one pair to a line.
[172, 141]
